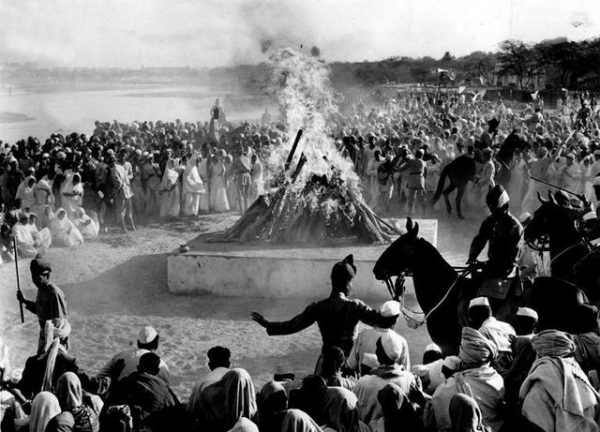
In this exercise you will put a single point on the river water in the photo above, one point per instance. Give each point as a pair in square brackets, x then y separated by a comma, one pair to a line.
[24, 114]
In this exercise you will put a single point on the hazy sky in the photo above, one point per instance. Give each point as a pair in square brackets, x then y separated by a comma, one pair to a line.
[134, 33]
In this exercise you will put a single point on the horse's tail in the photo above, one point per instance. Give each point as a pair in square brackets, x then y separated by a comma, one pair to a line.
[440, 185]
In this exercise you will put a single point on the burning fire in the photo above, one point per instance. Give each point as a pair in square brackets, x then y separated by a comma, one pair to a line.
[300, 85]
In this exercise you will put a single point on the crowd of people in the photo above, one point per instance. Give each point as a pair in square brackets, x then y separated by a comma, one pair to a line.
[505, 375]
[71, 188]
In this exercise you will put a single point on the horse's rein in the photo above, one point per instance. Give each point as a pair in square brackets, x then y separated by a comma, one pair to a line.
[582, 241]
[404, 308]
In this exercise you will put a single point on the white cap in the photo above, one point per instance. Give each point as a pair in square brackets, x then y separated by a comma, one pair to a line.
[527, 312]
[479, 301]
[589, 215]
[390, 309]
[147, 335]
[433, 347]
[393, 345]
[452, 362]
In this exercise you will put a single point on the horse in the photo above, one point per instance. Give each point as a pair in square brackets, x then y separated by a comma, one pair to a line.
[566, 243]
[505, 157]
[444, 294]
[459, 172]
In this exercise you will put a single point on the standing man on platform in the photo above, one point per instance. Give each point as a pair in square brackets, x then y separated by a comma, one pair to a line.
[50, 302]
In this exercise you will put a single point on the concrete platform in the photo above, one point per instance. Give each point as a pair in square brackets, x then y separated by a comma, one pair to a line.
[267, 271]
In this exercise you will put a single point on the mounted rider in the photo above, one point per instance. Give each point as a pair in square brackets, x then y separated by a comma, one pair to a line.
[505, 235]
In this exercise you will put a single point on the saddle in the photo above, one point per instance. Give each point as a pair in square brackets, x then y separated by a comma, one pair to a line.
[500, 288]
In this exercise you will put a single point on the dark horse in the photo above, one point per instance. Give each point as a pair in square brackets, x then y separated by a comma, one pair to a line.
[459, 172]
[559, 304]
[567, 244]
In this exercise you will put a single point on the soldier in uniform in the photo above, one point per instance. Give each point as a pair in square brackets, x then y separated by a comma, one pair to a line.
[503, 232]
[337, 316]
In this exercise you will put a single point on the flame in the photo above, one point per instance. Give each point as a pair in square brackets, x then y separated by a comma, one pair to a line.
[300, 85]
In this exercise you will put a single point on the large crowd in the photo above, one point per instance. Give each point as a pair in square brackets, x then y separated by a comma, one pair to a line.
[505, 376]
[74, 187]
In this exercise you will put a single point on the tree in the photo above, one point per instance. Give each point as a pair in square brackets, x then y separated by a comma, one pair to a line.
[420, 72]
[478, 64]
[521, 60]
[315, 51]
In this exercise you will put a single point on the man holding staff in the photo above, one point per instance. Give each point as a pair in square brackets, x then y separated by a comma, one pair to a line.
[50, 302]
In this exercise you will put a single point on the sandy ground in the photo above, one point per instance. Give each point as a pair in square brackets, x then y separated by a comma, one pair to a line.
[118, 284]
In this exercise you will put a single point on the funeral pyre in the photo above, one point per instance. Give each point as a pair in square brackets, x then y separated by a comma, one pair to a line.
[315, 195]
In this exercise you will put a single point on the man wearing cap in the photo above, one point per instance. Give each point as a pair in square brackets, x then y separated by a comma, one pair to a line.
[389, 348]
[500, 333]
[50, 302]
[504, 234]
[476, 379]
[362, 358]
[147, 342]
[337, 316]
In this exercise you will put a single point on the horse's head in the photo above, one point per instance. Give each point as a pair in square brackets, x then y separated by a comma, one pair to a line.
[399, 256]
[543, 222]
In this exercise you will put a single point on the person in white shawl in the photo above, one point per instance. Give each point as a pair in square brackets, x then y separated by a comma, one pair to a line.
[87, 226]
[44, 408]
[170, 190]
[64, 232]
[72, 194]
[45, 218]
[43, 198]
[193, 187]
[25, 192]
[477, 380]
[557, 395]
[29, 246]
[42, 236]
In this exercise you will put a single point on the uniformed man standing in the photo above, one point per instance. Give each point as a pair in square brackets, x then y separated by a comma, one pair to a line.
[337, 316]
[50, 302]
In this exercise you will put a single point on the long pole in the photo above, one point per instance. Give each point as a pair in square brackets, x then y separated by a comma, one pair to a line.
[293, 150]
[554, 186]
[18, 279]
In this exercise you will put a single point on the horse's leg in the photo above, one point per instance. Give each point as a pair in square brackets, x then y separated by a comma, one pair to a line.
[447, 192]
[459, 195]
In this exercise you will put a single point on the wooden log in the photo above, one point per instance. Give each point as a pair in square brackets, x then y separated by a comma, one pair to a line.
[293, 150]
